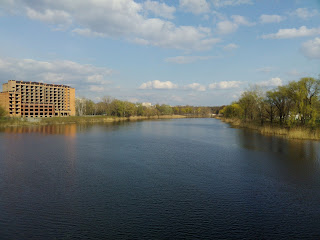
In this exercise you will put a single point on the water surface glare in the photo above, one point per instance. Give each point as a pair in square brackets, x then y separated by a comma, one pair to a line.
[169, 179]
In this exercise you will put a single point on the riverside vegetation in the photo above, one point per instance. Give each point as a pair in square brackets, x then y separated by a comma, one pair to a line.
[111, 110]
[109, 106]
[292, 110]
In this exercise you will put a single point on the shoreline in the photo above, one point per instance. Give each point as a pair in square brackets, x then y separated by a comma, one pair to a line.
[18, 122]
[302, 133]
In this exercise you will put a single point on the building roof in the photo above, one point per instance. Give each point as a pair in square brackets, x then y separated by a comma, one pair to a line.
[39, 83]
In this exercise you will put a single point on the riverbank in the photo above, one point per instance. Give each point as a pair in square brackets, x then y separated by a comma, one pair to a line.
[12, 122]
[303, 133]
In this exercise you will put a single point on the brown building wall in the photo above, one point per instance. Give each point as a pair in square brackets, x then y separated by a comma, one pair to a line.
[38, 99]
[4, 101]
[5, 87]
[37, 110]
[11, 85]
[72, 102]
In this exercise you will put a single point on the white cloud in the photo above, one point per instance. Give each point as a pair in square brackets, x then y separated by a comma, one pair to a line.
[227, 26]
[225, 3]
[88, 33]
[225, 85]
[265, 69]
[195, 87]
[218, 16]
[206, 17]
[98, 79]
[176, 98]
[273, 82]
[271, 18]
[296, 73]
[159, 9]
[118, 19]
[194, 6]
[311, 48]
[187, 59]
[304, 13]
[230, 47]
[97, 89]
[240, 20]
[156, 84]
[50, 16]
[293, 33]
[58, 71]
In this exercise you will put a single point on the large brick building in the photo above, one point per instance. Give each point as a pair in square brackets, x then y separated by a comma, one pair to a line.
[34, 99]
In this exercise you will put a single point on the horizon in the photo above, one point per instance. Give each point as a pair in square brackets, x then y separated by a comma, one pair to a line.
[186, 52]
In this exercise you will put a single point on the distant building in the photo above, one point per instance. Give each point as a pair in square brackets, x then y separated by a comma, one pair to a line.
[34, 99]
[146, 104]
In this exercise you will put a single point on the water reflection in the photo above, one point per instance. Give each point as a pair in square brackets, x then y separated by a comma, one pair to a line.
[295, 149]
[69, 130]
[19, 144]
[297, 158]
[125, 180]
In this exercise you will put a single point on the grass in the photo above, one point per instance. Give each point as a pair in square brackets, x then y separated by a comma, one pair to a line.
[287, 132]
[8, 122]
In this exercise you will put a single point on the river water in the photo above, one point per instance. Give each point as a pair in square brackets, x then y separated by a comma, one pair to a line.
[166, 179]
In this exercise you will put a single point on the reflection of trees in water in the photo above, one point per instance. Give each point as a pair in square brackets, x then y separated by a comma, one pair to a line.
[69, 130]
[300, 155]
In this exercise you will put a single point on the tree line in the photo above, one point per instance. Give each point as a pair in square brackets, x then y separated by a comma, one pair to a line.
[109, 106]
[297, 103]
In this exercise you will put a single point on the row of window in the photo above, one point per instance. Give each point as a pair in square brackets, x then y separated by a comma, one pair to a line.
[39, 106]
[36, 110]
[37, 114]
[46, 87]
[50, 114]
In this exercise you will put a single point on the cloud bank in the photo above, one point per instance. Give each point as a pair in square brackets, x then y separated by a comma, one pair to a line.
[273, 82]
[225, 85]
[311, 48]
[156, 84]
[271, 18]
[230, 26]
[83, 76]
[195, 87]
[187, 59]
[120, 19]
[293, 33]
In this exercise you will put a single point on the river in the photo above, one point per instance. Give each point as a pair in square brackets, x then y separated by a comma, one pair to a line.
[160, 179]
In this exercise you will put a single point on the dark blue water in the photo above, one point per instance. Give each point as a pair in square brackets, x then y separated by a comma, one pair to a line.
[171, 179]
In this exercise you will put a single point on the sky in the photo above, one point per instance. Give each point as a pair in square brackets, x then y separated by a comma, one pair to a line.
[177, 52]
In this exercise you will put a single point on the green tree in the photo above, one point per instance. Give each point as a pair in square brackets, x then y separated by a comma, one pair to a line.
[165, 109]
[130, 109]
[280, 98]
[247, 102]
[269, 108]
[232, 111]
[2, 112]
[305, 95]
[117, 108]
[90, 108]
[140, 109]
[106, 105]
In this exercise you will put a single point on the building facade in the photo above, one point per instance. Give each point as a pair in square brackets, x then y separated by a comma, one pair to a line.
[34, 99]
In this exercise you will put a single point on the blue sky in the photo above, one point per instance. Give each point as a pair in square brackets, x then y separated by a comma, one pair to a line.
[196, 52]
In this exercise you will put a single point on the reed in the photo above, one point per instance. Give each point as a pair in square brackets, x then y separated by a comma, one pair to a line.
[296, 132]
